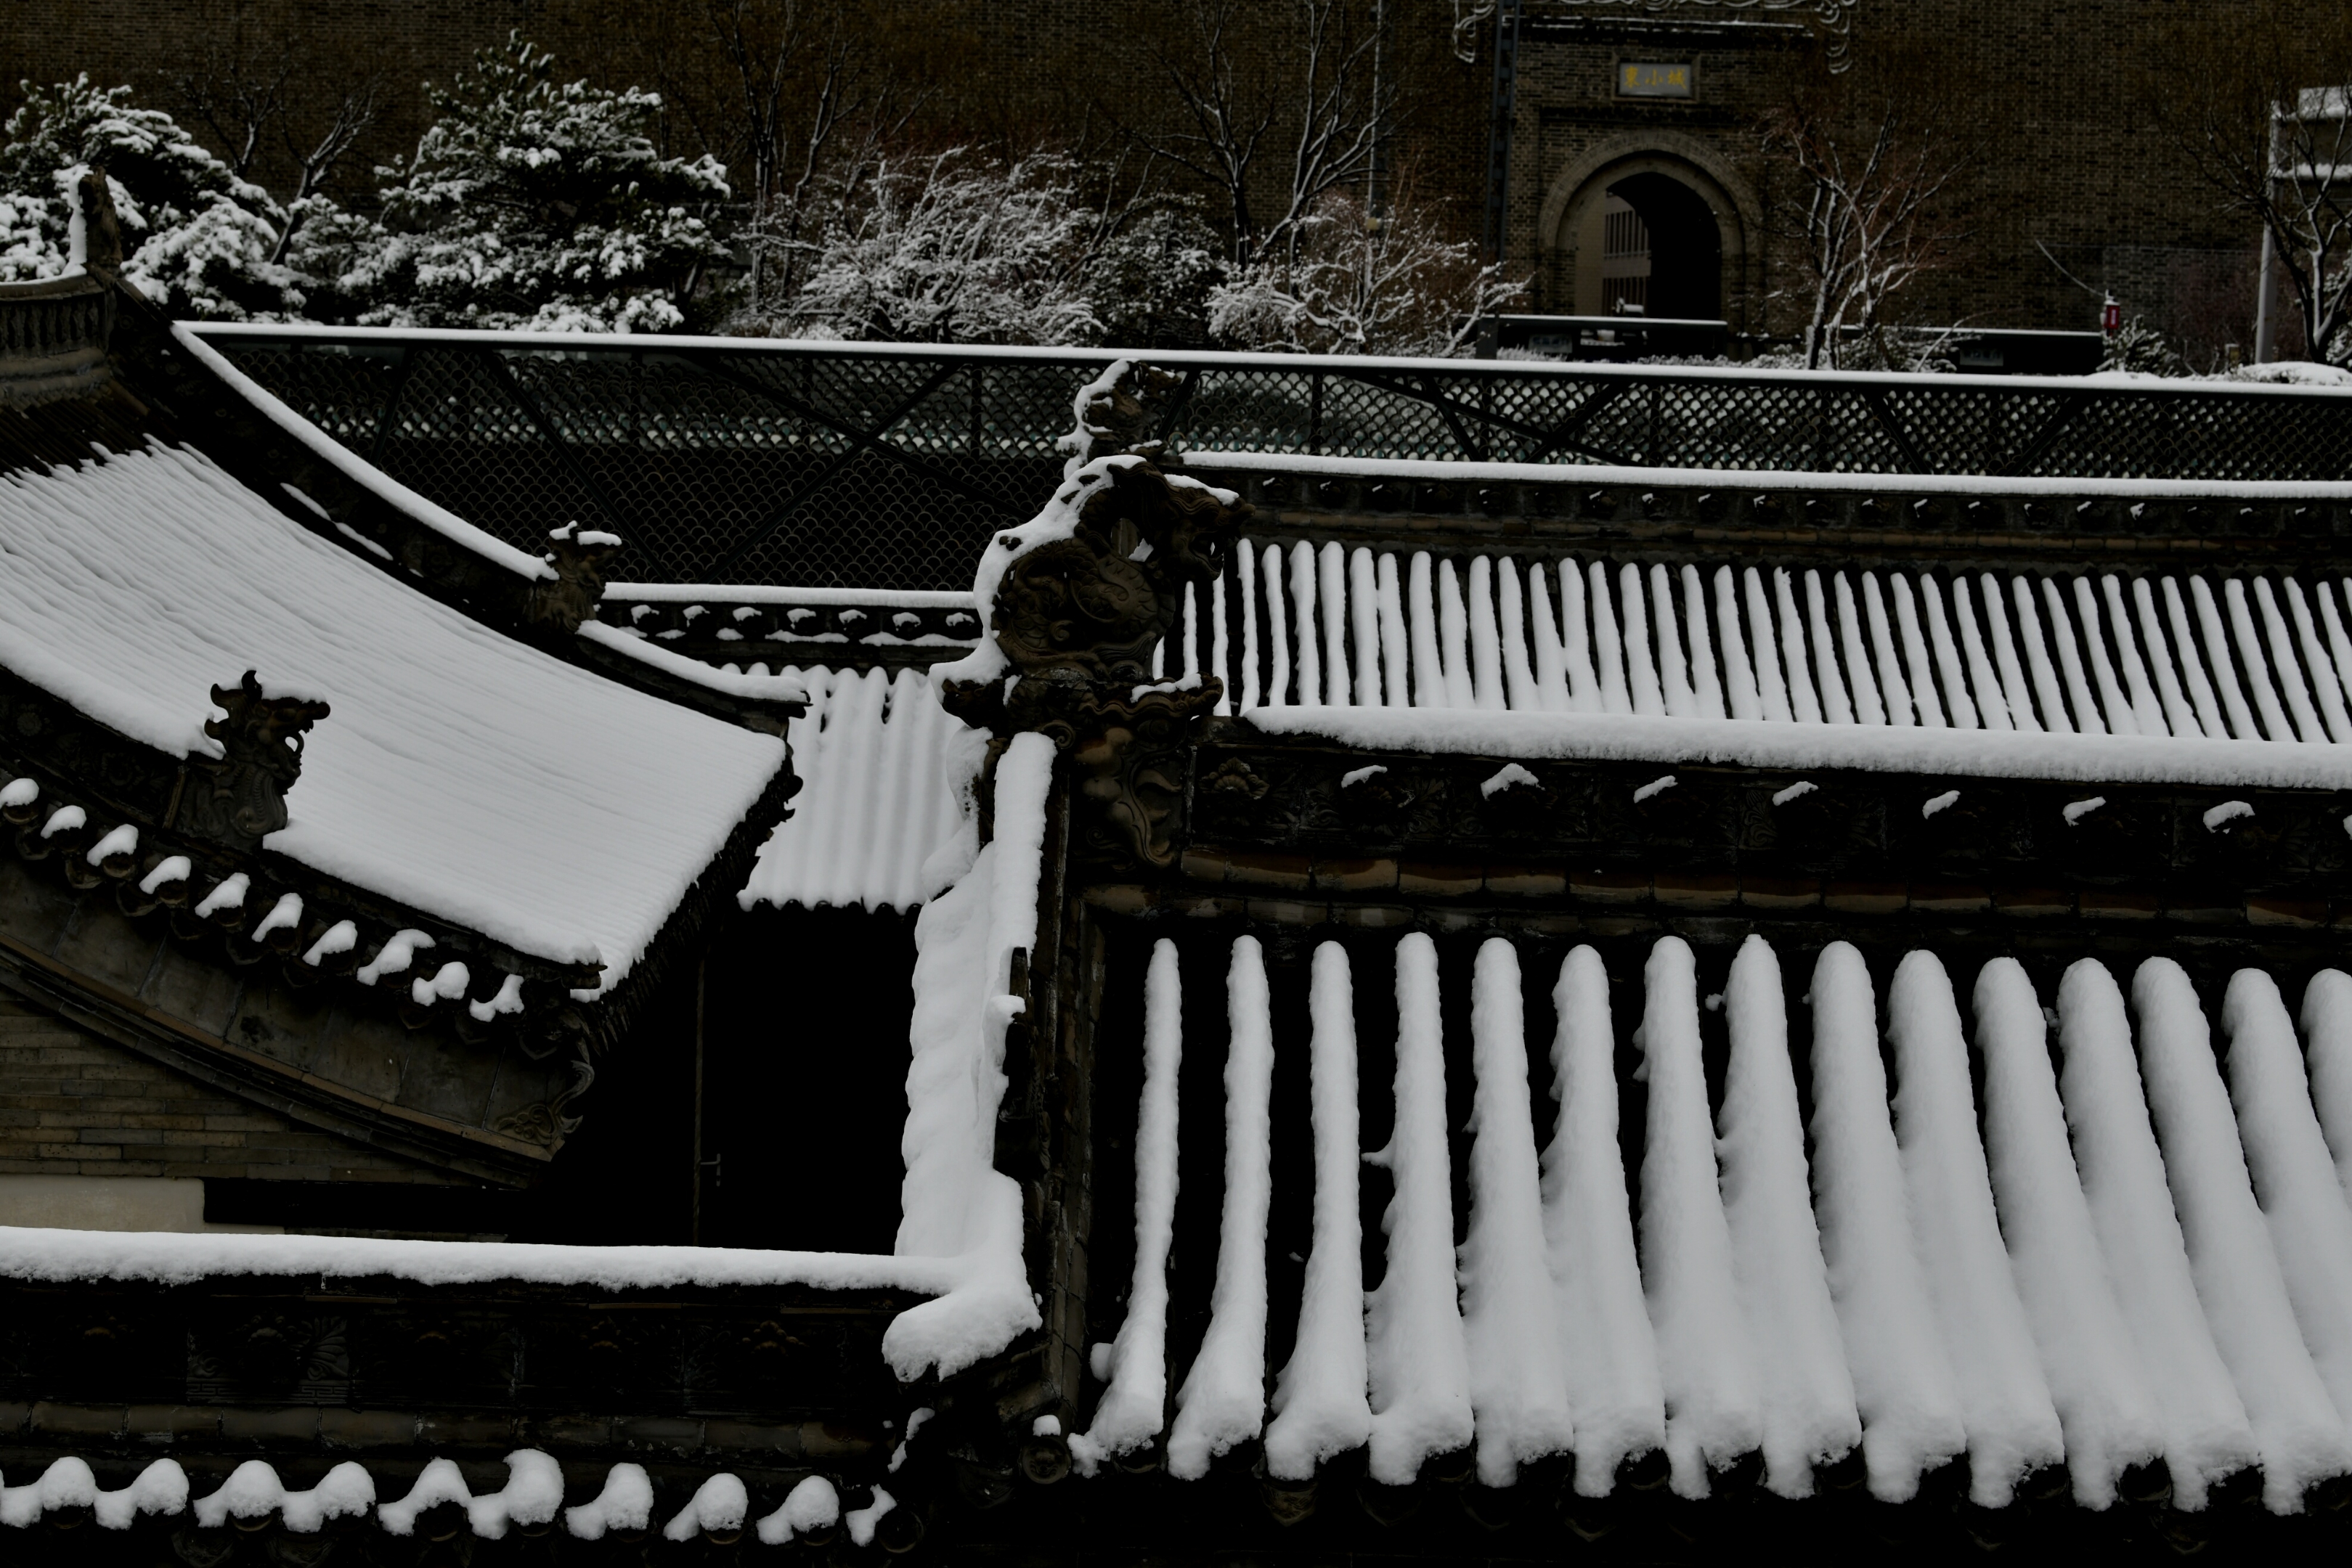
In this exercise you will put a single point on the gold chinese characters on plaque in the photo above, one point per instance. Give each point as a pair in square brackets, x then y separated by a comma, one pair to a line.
[1654, 78]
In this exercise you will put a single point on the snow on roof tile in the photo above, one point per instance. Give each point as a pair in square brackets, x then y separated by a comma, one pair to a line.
[461, 772]
[874, 754]
[2155, 678]
[1914, 1282]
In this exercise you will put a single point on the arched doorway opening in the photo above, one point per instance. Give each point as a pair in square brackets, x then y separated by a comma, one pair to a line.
[1656, 221]
[1661, 252]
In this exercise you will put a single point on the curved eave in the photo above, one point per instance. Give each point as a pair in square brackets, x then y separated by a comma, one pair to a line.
[188, 393]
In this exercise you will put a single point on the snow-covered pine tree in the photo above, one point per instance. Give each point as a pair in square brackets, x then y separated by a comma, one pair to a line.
[536, 204]
[198, 240]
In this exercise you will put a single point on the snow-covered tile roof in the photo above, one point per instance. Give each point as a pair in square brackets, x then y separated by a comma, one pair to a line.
[2137, 1247]
[2157, 676]
[460, 772]
[874, 754]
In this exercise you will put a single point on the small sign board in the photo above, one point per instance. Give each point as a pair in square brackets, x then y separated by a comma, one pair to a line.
[1654, 78]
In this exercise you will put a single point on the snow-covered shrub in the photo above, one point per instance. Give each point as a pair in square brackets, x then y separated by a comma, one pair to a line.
[1148, 280]
[198, 239]
[949, 247]
[532, 203]
[1356, 284]
[2140, 348]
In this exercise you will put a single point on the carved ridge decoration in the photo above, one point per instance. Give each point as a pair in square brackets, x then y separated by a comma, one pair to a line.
[239, 799]
[1078, 618]
[578, 557]
[1834, 18]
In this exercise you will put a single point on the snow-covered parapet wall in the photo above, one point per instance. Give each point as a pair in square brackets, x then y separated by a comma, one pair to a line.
[955, 1205]
[172, 1259]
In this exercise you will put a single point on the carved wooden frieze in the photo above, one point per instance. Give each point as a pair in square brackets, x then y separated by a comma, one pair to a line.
[2187, 841]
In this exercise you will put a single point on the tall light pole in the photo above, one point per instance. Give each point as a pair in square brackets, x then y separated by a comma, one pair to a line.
[2266, 280]
[1499, 131]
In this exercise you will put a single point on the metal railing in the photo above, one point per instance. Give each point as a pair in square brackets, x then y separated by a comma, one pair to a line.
[868, 465]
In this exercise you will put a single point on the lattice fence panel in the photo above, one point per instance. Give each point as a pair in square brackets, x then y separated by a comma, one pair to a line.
[341, 391]
[1385, 420]
[457, 436]
[910, 530]
[890, 469]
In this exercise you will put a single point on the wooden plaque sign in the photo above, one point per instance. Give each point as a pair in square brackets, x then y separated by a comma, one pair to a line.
[1654, 78]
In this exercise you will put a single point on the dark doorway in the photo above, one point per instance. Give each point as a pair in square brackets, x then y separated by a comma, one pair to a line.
[804, 1080]
[795, 1027]
[1624, 259]
[1683, 248]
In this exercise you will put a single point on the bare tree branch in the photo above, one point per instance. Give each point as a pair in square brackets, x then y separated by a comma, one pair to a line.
[2261, 108]
[1247, 77]
[1883, 204]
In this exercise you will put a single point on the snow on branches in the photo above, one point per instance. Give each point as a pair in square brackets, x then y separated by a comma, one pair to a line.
[1883, 181]
[1357, 283]
[954, 247]
[533, 203]
[198, 239]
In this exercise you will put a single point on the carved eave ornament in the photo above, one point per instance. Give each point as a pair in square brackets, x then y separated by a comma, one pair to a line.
[239, 798]
[175, 847]
[577, 556]
[1078, 617]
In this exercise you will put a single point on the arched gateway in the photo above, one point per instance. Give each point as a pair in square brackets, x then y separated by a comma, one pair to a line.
[1657, 222]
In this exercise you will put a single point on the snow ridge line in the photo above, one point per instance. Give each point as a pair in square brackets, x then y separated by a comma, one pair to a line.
[954, 1203]
[359, 471]
[1221, 359]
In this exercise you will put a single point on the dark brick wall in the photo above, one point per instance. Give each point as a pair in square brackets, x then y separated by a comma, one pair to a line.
[2050, 94]
[74, 1104]
[2068, 162]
